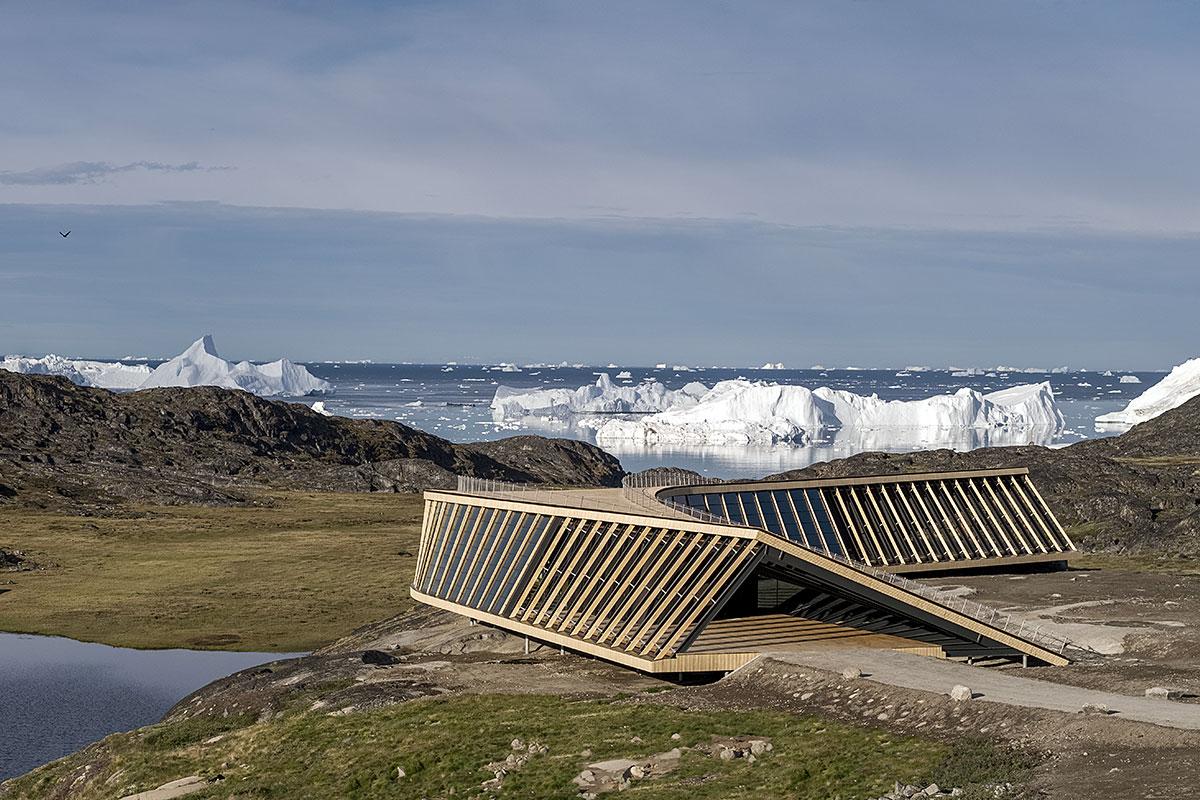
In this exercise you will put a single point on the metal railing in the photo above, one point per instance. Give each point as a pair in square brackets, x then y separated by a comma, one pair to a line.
[633, 488]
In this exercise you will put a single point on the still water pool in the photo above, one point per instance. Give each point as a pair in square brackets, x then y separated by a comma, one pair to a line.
[57, 695]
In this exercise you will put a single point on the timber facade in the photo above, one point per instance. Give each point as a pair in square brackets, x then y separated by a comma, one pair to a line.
[705, 577]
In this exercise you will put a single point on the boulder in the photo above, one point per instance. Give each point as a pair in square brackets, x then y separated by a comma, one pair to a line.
[960, 693]
[1164, 693]
[850, 673]
[377, 658]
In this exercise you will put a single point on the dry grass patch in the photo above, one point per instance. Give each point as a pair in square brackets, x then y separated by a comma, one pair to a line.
[292, 573]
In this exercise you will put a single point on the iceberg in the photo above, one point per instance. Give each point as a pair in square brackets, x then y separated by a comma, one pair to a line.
[775, 365]
[602, 397]
[1129, 379]
[200, 365]
[100, 374]
[759, 413]
[1181, 385]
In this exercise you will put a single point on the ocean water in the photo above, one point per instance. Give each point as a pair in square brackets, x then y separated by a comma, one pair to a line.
[453, 401]
[59, 694]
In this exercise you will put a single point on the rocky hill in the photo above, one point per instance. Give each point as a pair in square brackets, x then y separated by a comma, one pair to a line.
[1138, 492]
[66, 446]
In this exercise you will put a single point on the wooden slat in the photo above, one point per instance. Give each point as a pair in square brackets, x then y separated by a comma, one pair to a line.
[1003, 506]
[948, 551]
[461, 570]
[899, 520]
[596, 547]
[455, 535]
[577, 548]
[474, 595]
[487, 543]
[626, 573]
[1020, 492]
[1061, 530]
[643, 622]
[915, 520]
[732, 565]
[987, 507]
[670, 559]
[946, 519]
[540, 540]
[962, 520]
[1025, 528]
[545, 574]
[868, 527]
[875, 522]
[428, 515]
[965, 500]
[625, 541]
[863, 550]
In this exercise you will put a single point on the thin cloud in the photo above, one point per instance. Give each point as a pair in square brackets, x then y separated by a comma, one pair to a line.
[82, 172]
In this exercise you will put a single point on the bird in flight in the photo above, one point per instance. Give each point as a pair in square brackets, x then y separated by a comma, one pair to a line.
[64, 235]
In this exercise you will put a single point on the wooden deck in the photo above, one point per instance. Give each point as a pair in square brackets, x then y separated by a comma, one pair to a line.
[773, 632]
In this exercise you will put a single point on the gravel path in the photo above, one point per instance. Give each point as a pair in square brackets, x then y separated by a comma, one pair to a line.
[992, 685]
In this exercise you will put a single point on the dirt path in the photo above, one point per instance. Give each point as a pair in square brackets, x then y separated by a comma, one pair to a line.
[994, 686]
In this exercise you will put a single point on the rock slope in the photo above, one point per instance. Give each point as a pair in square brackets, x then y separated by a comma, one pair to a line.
[78, 448]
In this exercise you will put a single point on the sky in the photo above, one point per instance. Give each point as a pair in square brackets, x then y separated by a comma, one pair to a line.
[866, 183]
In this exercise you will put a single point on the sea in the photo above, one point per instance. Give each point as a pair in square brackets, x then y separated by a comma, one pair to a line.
[453, 401]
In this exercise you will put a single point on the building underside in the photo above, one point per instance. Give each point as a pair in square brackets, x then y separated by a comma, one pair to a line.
[703, 578]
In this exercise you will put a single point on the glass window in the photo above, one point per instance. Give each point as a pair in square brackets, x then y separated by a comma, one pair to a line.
[811, 538]
[770, 517]
[824, 523]
[750, 508]
[733, 509]
[474, 547]
[791, 528]
[493, 550]
[506, 552]
[526, 550]
[454, 548]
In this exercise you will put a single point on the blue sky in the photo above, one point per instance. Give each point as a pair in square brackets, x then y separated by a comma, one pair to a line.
[870, 183]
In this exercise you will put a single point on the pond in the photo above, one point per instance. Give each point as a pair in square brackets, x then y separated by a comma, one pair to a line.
[58, 695]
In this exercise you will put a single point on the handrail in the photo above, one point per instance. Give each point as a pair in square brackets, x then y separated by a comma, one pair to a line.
[633, 488]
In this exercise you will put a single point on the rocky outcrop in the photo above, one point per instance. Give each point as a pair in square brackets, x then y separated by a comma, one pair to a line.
[67, 446]
[1137, 492]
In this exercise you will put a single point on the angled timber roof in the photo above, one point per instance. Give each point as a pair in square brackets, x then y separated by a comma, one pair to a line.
[646, 577]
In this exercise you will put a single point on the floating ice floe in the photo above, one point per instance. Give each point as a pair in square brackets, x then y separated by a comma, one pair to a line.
[102, 374]
[602, 397]
[1181, 385]
[200, 365]
[755, 412]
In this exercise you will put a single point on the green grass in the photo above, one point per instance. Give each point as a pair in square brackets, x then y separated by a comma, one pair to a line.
[291, 574]
[1171, 565]
[443, 743]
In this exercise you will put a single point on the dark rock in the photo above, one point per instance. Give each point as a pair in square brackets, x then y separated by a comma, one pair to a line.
[377, 658]
[71, 447]
[16, 561]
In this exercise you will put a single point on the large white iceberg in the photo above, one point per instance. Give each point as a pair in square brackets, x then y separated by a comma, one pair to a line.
[1181, 385]
[602, 397]
[101, 374]
[740, 412]
[200, 365]
[754, 412]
